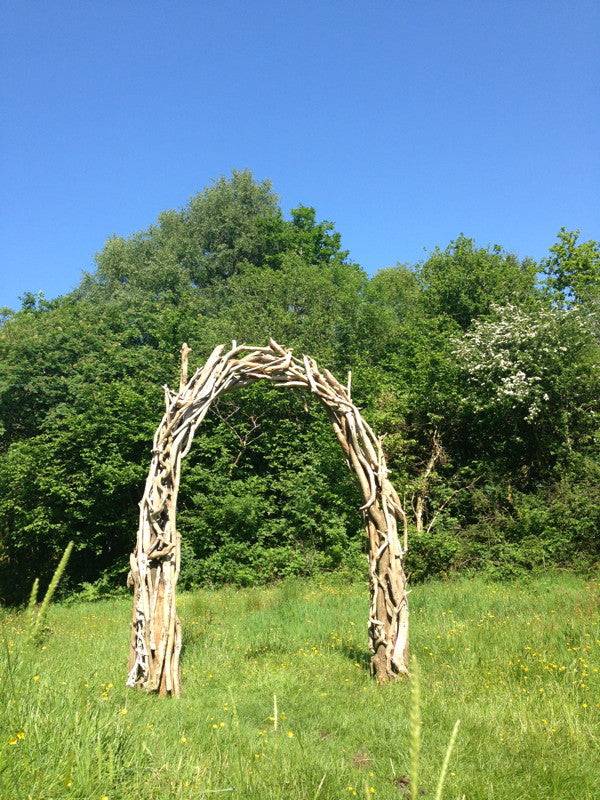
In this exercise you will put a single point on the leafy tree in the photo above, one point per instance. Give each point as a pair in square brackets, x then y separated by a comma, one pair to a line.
[532, 383]
[80, 377]
[464, 281]
[572, 270]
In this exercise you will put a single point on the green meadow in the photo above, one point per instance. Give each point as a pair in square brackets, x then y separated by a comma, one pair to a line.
[278, 701]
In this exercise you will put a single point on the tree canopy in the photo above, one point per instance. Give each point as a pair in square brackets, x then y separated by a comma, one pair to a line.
[480, 368]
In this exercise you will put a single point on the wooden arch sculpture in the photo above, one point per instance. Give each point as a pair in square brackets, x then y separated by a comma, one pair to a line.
[155, 563]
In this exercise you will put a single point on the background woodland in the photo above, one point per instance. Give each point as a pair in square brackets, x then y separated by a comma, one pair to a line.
[480, 369]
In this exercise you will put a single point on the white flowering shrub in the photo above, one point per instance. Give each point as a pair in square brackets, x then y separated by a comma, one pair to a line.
[513, 361]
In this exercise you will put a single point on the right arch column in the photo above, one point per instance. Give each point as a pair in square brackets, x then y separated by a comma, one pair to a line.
[388, 612]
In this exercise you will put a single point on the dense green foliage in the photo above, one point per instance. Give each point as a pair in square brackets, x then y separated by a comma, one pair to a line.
[515, 661]
[486, 361]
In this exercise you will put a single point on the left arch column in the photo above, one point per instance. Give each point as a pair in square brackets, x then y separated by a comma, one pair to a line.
[155, 565]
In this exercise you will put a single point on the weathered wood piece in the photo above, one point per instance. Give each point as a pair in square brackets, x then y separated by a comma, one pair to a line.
[155, 562]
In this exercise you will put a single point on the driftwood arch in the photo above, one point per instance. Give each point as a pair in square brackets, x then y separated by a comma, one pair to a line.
[155, 562]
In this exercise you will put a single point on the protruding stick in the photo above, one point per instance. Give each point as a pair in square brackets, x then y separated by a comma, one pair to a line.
[183, 375]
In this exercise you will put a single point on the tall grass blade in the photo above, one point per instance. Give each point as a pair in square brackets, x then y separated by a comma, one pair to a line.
[43, 610]
[33, 597]
[9, 666]
[415, 729]
[442, 780]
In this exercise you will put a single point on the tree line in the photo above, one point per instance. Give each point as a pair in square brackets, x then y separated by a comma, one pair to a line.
[479, 368]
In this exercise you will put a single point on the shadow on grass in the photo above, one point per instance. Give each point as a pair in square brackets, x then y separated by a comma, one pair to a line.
[197, 627]
[358, 655]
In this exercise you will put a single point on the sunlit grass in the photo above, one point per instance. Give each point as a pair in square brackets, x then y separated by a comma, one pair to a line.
[517, 663]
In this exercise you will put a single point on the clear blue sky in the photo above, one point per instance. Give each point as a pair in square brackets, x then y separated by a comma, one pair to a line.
[404, 122]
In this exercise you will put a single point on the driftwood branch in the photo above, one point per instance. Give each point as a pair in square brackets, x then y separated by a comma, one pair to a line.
[155, 562]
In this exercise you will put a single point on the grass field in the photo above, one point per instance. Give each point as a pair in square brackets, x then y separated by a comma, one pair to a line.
[516, 662]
